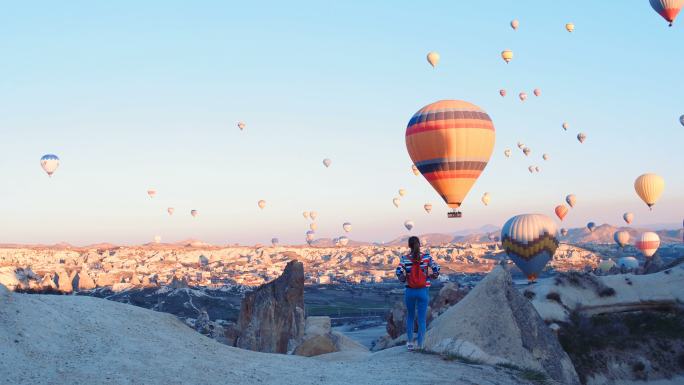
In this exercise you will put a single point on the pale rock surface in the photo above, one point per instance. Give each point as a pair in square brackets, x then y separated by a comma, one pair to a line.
[495, 324]
[319, 338]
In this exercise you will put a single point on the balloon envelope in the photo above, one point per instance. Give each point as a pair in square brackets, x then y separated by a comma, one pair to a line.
[545, 156]
[433, 58]
[565, 126]
[49, 163]
[668, 9]
[581, 137]
[485, 198]
[530, 241]
[514, 24]
[313, 226]
[507, 55]
[564, 231]
[415, 170]
[396, 202]
[261, 204]
[402, 192]
[537, 92]
[427, 207]
[450, 141]
[193, 213]
[305, 214]
[628, 217]
[561, 211]
[346, 226]
[526, 151]
[170, 210]
[327, 162]
[628, 263]
[313, 215]
[242, 125]
[649, 187]
[591, 226]
[522, 96]
[502, 92]
[571, 199]
[408, 225]
[343, 241]
[648, 243]
[507, 152]
[570, 27]
[681, 120]
[621, 238]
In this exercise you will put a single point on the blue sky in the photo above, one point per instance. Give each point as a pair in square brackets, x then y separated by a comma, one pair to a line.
[133, 95]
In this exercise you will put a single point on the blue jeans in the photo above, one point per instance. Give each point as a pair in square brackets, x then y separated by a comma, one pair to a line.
[416, 298]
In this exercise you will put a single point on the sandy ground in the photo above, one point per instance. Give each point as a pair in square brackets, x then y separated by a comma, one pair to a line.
[82, 340]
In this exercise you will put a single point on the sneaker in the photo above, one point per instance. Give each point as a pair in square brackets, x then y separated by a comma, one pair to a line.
[409, 346]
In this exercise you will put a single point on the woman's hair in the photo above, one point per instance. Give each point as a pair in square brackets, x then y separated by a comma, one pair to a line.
[414, 245]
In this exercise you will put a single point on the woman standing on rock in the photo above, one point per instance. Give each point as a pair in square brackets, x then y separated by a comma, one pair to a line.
[413, 270]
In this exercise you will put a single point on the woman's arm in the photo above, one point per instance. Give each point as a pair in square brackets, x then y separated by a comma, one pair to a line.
[401, 272]
[434, 267]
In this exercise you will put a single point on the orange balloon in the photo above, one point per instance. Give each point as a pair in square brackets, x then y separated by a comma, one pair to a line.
[450, 141]
[561, 211]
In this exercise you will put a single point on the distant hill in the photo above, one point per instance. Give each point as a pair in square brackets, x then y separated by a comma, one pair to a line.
[604, 234]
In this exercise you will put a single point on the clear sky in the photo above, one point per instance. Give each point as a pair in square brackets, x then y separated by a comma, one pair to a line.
[140, 94]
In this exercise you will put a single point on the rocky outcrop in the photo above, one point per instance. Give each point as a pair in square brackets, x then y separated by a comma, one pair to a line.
[320, 339]
[495, 324]
[82, 281]
[272, 316]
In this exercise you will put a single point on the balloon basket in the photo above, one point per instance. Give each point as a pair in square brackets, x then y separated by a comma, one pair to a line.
[454, 214]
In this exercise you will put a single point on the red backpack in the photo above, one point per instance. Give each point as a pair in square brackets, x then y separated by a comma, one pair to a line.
[417, 279]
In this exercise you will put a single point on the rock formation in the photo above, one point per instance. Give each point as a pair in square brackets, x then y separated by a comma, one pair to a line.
[272, 316]
[319, 339]
[82, 281]
[495, 324]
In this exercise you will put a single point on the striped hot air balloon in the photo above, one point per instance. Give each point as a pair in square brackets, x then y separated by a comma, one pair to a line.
[648, 243]
[649, 187]
[450, 141]
[561, 211]
[668, 9]
[530, 241]
[621, 238]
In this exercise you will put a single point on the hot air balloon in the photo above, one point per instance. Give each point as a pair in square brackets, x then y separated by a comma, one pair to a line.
[343, 241]
[450, 142]
[261, 204]
[49, 163]
[522, 96]
[402, 192]
[170, 210]
[305, 214]
[507, 152]
[531, 169]
[606, 264]
[415, 170]
[313, 215]
[502, 92]
[346, 226]
[537, 92]
[591, 226]
[327, 162]
[310, 235]
[275, 242]
[157, 239]
[565, 126]
[628, 263]
[313, 226]
[241, 125]
[668, 9]
[530, 241]
[433, 58]
[536, 168]
[571, 199]
[521, 145]
[485, 199]
[628, 217]
[621, 238]
[514, 24]
[193, 213]
[526, 151]
[648, 243]
[408, 225]
[427, 207]
[507, 55]
[152, 193]
[564, 231]
[649, 187]
[581, 137]
[396, 201]
[570, 27]
[545, 156]
[681, 120]
[561, 211]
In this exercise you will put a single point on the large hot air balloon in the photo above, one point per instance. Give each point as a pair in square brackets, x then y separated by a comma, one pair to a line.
[415, 170]
[621, 238]
[591, 226]
[313, 215]
[409, 225]
[526, 151]
[628, 263]
[275, 242]
[649, 187]
[193, 213]
[152, 192]
[561, 211]
[396, 201]
[565, 126]
[571, 199]
[507, 152]
[313, 226]
[564, 231]
[241, 125]
[427, 207]
[514, 24]
[570, 27]
[648, 243]
[522, 96]
[537, 92]
[49, 163]
[305, 214]
[507, 55]
[402, 192]
[170, 210]
[581, 137]
[346, 226]
[545, 156]
[668, 9]
[502, 92]
[628, 217]
[433, 58]
[261, 204]
[450, 141]
[327, 162]
[485, 198]
[343, 241]
[530, 241]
